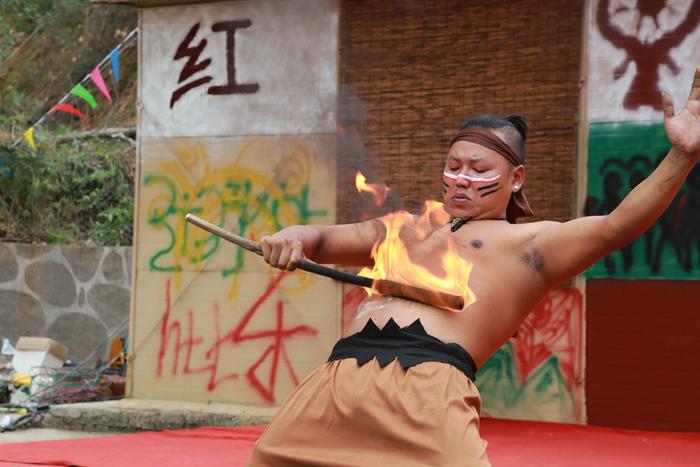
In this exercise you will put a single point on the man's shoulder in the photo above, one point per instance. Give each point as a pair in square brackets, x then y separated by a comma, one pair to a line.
[530, 229]
[518, 227]
[536, 225]
[516, 233]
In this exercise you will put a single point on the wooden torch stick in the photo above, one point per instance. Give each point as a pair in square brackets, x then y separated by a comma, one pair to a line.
[383, 286]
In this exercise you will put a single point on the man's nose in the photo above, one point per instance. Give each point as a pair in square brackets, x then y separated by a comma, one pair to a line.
[463, 181]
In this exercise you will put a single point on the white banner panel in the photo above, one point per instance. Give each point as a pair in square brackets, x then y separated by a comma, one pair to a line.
[262, 67]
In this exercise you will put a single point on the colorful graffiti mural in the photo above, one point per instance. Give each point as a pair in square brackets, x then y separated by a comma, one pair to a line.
[538, 374]
[228, 326]
[237, 126]
[638, 49]
[621, 155]
[259, 201]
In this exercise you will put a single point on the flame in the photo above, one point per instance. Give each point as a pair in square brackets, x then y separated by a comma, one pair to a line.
[392, 256]
[379, 191]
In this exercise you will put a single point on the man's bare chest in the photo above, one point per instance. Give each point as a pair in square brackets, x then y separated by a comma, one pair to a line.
[481, 247]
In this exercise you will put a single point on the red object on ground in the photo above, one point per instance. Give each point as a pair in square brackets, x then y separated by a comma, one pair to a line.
[511, 444]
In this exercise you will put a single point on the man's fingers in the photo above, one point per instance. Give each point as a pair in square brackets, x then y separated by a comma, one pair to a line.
[283, 261]
[266, 248]
[275, 254]
[295, 259]
[667, 104]
[282, 253]
[695, 90]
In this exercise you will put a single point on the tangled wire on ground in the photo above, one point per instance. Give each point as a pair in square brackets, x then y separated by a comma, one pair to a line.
[68, 385]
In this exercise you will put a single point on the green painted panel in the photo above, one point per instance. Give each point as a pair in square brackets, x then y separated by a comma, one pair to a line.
[621, 155]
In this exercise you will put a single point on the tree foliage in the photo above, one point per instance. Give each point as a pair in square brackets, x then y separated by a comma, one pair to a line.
[67, 190]
[70, 192]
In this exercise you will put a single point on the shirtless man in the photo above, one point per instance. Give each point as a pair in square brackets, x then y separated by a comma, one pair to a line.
[391, 410]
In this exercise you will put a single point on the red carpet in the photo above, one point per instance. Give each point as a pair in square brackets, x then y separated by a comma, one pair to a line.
[511, 444]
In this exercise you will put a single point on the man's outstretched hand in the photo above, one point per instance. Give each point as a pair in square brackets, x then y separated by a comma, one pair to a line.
[683, 130]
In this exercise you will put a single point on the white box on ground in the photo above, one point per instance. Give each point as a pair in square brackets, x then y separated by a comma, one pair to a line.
[38, 351]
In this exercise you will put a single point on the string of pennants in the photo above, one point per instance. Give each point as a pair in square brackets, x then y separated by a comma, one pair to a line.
[81, 90]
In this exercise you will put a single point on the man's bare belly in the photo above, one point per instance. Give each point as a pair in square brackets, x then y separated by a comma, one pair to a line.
[477, 333]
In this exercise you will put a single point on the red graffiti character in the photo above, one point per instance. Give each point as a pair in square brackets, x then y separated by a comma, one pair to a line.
[171, 337]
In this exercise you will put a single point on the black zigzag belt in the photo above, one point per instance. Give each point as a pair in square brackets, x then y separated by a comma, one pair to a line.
[410, 345]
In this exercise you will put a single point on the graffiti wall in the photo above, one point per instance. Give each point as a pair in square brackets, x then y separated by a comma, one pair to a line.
[538, 374]
[634, 311]
[636, 50]
[238, 127]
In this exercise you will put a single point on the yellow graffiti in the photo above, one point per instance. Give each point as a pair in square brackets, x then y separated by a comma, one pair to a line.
[242, 195]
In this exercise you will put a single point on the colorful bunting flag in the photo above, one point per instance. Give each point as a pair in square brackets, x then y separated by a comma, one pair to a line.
[114, 59]
[69, 108]
[80, 91]
[29, 136]
[96, 77]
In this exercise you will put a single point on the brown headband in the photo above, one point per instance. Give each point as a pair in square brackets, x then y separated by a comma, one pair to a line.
[518, 205]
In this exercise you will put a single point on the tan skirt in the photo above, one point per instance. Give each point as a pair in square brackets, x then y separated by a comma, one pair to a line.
[343, 414]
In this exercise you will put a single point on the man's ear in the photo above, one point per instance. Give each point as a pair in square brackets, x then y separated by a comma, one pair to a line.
[517, 178]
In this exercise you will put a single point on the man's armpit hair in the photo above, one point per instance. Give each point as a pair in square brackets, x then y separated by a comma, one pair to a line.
[534, 260]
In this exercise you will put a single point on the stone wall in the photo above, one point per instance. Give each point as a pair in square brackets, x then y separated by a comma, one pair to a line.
[77, 295]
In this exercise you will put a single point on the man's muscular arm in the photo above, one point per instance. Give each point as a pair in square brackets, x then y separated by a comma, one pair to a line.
[569, 248]
[335, 244]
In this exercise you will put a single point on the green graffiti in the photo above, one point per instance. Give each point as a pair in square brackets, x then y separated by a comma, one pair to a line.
[543, 396]
[252, 208]
[620, 156]
[165, 251]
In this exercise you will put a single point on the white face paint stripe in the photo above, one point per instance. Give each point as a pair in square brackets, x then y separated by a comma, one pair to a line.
[472, 179]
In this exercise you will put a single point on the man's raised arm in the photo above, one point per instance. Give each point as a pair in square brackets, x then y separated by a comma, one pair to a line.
[569, 248]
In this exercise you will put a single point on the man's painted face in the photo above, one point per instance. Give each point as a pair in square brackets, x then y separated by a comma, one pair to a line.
[476, 181]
